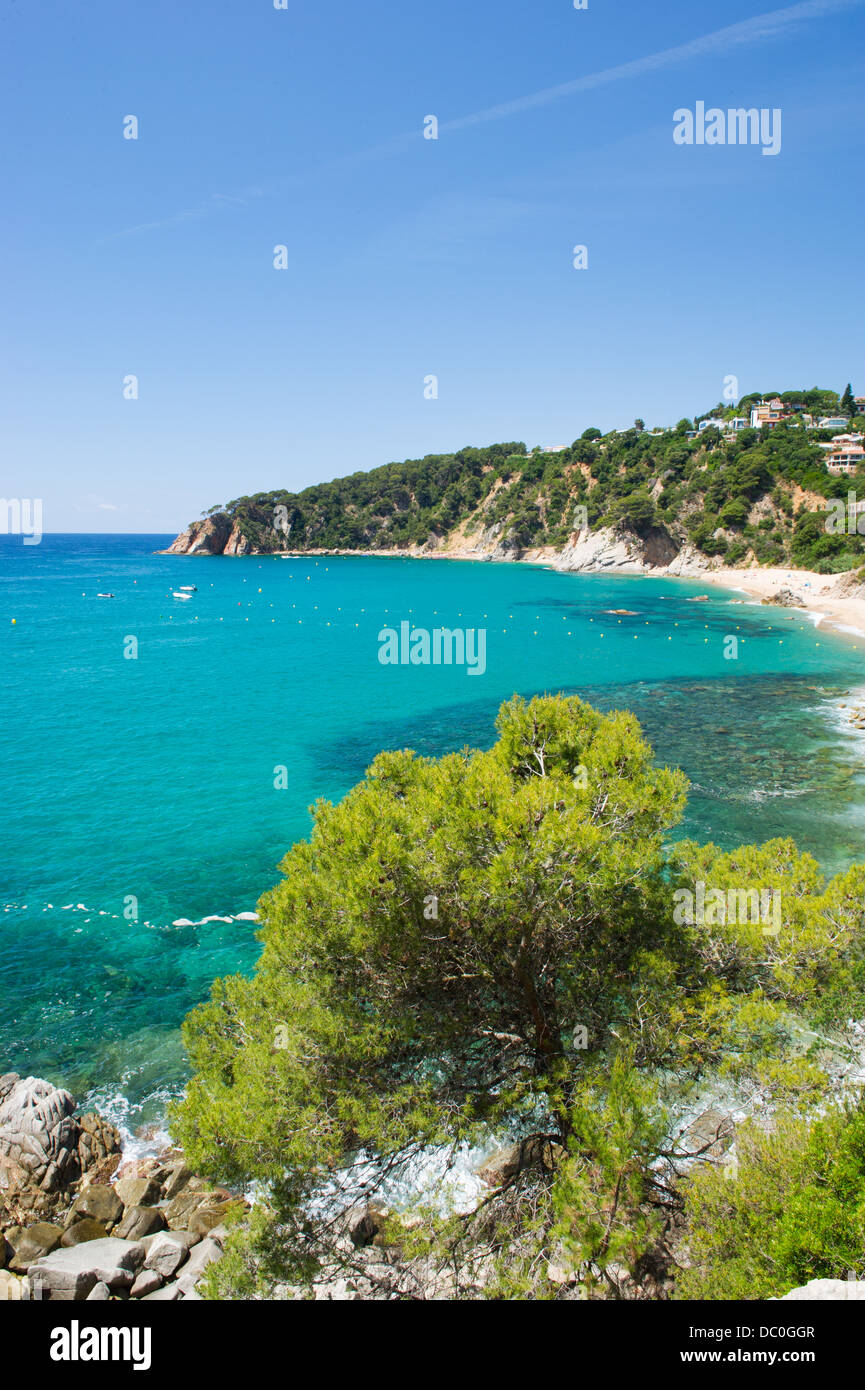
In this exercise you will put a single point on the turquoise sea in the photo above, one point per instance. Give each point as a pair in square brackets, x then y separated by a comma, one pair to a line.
[153, 778]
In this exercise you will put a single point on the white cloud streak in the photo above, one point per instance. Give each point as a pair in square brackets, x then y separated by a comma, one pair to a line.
[759, 29]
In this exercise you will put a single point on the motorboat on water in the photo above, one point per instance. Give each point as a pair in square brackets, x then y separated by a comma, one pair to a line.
[175, 593]
[188, 588]
[106, 595]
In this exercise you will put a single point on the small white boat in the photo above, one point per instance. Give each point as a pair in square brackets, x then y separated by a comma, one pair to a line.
[188, 588]
[105, 595]
[177, 594]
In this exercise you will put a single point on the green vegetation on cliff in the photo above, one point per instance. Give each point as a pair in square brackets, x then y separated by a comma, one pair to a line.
[756, 495]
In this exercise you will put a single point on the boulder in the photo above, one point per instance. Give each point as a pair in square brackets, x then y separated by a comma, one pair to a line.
[72, 1273]
[43, 1145]
[207, 1217]
[99, 1202]
[138, 1191]
[103, 1170]
[821, 1290]
[504, 1165]
[32, 1243]
[166, 1254]
[167, 1294]
[38, 1136]
[138, 1222]
[100, 1293]
[179, 1212]
[87, 1229]
[186, 1239]
[365, 1223]
[98, 1143]
[148, 1281]
[785, 598]
[176, 1177]
[207, 1253]
[711, 1134]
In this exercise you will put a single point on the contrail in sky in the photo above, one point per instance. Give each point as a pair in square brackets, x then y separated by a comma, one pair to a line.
[763, 26]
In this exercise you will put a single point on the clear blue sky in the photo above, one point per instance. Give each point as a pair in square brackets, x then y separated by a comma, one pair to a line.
[407, 256]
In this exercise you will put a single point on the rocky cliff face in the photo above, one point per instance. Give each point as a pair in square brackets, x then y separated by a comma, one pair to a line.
[604, 549]
[614, 550]
[208, 537]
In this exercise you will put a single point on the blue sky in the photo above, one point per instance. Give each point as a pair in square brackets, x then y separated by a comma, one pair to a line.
[407, 257]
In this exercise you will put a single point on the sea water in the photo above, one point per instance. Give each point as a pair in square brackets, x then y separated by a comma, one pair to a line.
[161, 755]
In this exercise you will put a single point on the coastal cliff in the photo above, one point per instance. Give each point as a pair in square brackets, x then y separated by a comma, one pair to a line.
[701, 496]
[217, 535]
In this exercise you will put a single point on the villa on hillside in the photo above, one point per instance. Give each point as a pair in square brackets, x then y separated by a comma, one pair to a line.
[845, 454]
[768, 413]
[833, 422]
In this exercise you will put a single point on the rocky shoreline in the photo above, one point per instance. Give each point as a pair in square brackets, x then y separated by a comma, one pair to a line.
[77, 1222]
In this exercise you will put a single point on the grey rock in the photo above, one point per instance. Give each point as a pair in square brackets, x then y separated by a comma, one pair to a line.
[364, 1223]
[202, 1222]
[177, 1177]
[821, 1290]
[207, 1253]
[38, 1136]
[710, 1134]
[70, 1274]
[138, 1191]
[166, 1254]
[148, 1281]
[186, 1238]
[100, 1293]
[98, 1141]
[138, 1222]
[169, 1293]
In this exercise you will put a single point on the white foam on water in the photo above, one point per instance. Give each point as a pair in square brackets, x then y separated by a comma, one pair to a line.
[114, 1105]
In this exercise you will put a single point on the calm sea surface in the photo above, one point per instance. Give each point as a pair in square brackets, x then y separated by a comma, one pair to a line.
[153, 778]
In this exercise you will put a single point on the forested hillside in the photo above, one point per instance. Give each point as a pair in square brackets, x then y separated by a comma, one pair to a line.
[756, 495]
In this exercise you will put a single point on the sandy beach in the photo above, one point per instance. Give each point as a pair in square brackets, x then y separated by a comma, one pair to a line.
[813, 592]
